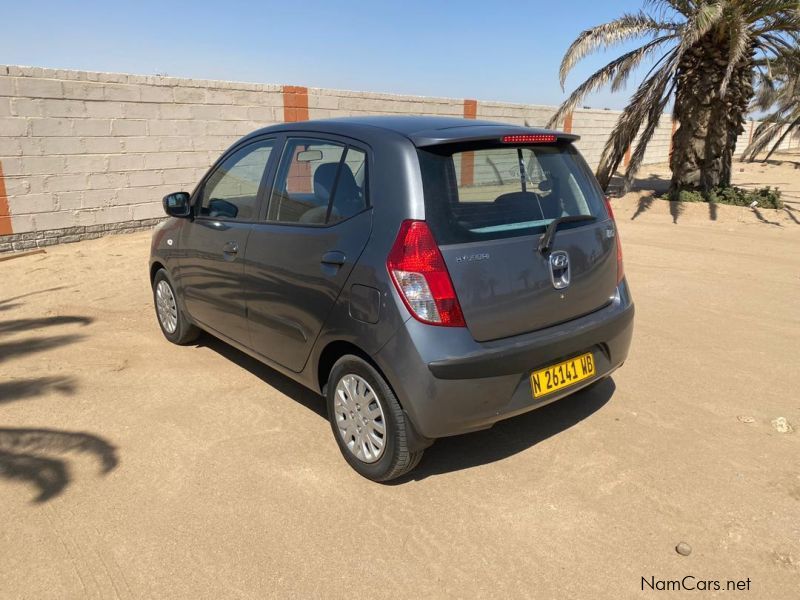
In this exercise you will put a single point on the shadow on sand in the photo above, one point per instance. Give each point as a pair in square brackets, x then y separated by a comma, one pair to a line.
[511, 436]
[34, 455]
[505, 439]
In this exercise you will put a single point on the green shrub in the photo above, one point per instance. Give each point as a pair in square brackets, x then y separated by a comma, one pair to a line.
[766, 197]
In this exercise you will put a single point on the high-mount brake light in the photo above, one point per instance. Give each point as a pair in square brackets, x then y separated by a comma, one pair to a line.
[529, 138]
[420, 275]
[620, 266]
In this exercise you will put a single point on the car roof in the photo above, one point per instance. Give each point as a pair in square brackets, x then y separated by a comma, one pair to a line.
[421, 130]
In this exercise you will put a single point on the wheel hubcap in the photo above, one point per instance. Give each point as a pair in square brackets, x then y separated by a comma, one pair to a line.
[359, 418]
[166, 307]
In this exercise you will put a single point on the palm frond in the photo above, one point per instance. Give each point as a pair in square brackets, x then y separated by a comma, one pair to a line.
[757, 35]
[654, 91]
[624, 71]
[773, 45]
[785, 23]
[764, 134]
[684, 7]
[766, 9]
[792, 126]
[628, 26]
[739, 46]
[616, 69]
[700, 23]
[653, 119]
[766, 92]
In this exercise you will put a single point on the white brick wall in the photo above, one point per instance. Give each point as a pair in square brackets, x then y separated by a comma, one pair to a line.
[80, 148]
[323, 104]
[85, 148]
[534, 116]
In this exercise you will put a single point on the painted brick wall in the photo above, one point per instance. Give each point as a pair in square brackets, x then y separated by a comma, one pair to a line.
[323, 104]
[594, 127]
[84, 153]
[518, 114]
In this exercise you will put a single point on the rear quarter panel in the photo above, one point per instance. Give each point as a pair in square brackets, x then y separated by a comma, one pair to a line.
[395, 194]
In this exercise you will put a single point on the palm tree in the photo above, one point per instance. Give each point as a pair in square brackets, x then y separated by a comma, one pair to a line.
[778, 90]
[704, 54]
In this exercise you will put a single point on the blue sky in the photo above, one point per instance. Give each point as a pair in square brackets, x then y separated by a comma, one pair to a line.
[486, 50]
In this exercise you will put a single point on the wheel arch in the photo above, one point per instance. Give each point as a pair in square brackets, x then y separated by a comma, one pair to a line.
[155, 268]
[333, 351]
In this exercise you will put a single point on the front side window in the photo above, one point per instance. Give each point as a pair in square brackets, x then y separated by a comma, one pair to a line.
[487, 193]
[231, 192]
[318, 182]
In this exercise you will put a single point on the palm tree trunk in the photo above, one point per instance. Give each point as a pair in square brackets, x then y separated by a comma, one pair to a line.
[709, 122]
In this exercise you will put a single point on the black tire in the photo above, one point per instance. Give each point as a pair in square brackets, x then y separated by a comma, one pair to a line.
[396, 459]
[184, 332]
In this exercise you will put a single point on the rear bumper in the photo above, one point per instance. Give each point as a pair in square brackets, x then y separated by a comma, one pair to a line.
[449, 384]
[520, 355]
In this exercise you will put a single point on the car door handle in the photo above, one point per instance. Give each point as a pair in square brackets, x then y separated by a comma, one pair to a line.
[230, 248]
[334, 257]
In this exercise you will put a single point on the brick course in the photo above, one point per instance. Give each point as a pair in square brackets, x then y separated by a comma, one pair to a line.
[87, 153]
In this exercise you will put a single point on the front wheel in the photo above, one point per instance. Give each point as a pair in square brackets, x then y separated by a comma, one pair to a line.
[174, 324]
[367, 421]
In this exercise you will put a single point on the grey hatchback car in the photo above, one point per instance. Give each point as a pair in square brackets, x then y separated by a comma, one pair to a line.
[429, 276]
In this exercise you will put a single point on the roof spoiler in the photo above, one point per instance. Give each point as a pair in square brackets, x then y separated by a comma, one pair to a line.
[485, 133]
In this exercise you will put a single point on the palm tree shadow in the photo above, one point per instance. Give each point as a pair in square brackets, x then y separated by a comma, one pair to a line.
[49, 475]
[38, 344]
[760, 216]
[658, 184]
[676, 209]
[511, 436]
[33, 345]
[31, 455]
[19, 389]
[18, 325]
[25, 455]
[8, 303]
[645, 202]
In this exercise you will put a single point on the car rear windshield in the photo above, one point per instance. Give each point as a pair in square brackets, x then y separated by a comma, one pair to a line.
[475, 192]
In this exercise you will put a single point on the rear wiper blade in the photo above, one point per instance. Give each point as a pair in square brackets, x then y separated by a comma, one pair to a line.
[547, 240]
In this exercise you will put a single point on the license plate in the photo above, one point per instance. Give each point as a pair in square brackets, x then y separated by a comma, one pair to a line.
[564, 374]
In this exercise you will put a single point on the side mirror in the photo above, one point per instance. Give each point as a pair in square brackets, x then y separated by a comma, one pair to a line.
[177, 205]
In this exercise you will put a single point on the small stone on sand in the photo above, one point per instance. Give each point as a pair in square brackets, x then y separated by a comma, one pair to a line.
[781, 425]
[683, 549]
[746, 419]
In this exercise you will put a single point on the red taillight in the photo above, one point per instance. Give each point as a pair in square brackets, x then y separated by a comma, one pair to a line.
[620, 266]
[418, 271]
[529, 138]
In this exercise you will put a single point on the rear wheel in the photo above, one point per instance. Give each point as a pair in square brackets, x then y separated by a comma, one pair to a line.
[367, 421]
[174, 324]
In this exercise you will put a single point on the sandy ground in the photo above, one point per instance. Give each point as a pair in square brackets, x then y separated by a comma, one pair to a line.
[131, 468]
[781, 171]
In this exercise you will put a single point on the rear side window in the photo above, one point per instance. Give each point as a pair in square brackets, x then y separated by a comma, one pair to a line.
[489, 193]
[350, 195]
[318, 182]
